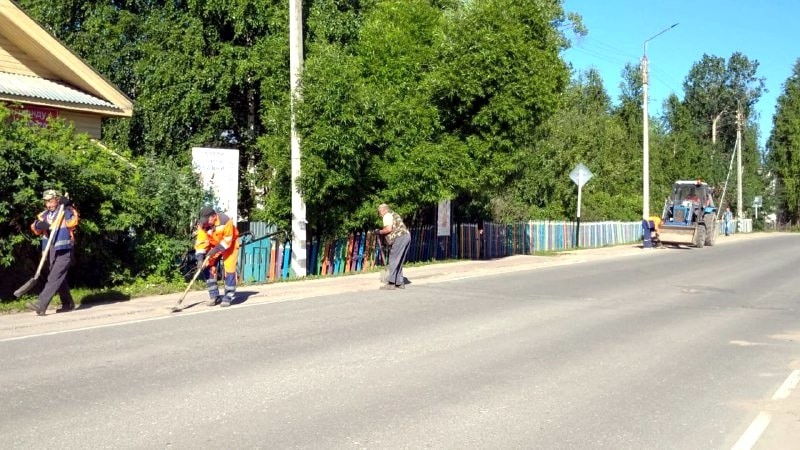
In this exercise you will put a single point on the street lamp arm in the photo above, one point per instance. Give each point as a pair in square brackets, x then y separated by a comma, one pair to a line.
[657, 35]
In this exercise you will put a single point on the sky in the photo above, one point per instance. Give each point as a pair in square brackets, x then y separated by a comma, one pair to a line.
[766, 31]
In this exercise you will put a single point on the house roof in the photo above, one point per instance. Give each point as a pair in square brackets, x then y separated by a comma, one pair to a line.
[74, 76]
[19, 87]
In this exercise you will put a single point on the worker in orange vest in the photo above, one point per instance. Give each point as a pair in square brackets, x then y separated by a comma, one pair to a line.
[217, 239]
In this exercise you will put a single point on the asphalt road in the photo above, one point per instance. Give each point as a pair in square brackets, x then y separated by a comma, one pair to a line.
[675, 350]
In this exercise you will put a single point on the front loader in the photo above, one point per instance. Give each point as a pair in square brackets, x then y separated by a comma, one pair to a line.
[689, 216]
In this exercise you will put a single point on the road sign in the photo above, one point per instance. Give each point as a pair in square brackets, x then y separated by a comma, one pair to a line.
[580, 175]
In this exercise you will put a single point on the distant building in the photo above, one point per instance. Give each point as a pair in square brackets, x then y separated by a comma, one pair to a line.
[46, 79]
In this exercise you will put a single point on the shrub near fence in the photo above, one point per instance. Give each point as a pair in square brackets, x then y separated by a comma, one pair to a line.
[266, 258]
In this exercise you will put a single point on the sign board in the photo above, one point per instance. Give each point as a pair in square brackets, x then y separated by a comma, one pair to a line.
[38, 115]
[443, 219]
[757, 201]
[219, 172]
[580, 175]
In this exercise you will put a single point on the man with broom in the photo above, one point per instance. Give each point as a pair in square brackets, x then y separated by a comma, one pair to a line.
[57, 222]
[217, 238]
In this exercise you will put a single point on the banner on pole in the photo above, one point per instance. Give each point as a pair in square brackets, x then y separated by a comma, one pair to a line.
[219, 173]
[443, 219]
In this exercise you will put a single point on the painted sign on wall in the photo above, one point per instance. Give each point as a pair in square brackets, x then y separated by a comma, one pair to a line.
[219, 172]
[37, 115]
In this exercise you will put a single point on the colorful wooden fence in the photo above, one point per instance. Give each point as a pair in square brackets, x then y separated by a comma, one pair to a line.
[265, 257]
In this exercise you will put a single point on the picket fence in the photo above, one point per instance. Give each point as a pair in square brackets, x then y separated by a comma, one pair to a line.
[265, 254]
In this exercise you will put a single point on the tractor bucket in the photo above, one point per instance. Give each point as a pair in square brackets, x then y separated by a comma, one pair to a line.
[676, 234]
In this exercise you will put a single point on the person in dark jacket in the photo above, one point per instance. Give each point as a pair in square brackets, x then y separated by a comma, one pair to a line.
[58, 222]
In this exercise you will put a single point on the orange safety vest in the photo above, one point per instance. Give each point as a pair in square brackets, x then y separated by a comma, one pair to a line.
[222, 234]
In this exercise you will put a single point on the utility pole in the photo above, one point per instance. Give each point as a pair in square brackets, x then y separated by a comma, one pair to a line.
[299, 261]
[739, 202]
[646, 130]
[645, 141]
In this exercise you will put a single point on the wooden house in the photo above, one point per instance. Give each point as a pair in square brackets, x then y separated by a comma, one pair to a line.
[42, 76]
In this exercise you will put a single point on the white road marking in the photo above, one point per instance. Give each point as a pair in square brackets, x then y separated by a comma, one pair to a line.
[761, 422]
[744, 343]
[787, 387]
[753, 432]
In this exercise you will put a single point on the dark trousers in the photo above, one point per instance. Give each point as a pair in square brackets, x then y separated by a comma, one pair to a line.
[60, 261]
[397, 256]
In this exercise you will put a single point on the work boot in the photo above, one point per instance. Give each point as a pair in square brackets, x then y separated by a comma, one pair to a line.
[213, 301]
[66, 308]
[226, 301]
[33, 307]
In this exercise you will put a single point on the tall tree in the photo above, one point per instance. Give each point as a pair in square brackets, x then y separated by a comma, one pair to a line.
[394, 116]
[513, 84]
[715, 89]
[783, 147]
[582, 130]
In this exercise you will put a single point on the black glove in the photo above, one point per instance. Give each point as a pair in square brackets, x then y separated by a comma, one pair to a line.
[200, 257]
[65, 201]
[41, 225]
[214, 252]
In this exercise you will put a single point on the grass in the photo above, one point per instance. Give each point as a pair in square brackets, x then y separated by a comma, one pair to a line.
[113, 294]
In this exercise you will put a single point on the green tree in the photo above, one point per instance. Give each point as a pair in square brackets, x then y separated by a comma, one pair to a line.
[582, 130]
[715, 89]
[702, 127]
[513, 84]
[390, 114]
[783, 147]
[201, 73]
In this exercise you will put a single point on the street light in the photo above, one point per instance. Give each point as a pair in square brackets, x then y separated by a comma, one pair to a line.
[646, 130]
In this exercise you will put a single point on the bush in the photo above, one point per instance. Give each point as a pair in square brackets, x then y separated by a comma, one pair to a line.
[136, 215]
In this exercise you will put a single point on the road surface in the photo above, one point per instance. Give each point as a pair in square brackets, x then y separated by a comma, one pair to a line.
[672, 349]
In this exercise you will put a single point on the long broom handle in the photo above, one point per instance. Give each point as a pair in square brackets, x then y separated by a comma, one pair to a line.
[50, 240]
[194, 278]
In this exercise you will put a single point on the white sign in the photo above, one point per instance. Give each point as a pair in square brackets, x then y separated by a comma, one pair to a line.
[443, 219]
[580, 175]
[219, 172]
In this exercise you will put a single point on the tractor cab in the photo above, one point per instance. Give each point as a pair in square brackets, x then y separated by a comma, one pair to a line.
[688, 203]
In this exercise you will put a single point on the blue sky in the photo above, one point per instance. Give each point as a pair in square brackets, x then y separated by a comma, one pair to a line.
[765, 31]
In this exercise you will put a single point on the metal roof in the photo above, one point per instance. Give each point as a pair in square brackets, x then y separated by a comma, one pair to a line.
[41, 88]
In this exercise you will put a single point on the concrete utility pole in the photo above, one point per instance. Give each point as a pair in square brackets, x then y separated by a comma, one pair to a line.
[646, 130]
[739, 202]
[299, 261]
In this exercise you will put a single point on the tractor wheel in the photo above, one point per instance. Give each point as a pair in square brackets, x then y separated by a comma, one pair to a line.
[711, 228]
[700, 236]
